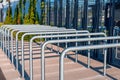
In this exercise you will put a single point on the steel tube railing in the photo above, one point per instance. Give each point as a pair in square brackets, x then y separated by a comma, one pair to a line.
[87, 39]
[5, 31]
[45, 33]
[12, 43]
[23, 27]
[73, 35]
[77, 40]
[1, 36]
[32, 31]
[68, 40]
[15, 29]
[35, 29]
[85, 48]
[42, 28]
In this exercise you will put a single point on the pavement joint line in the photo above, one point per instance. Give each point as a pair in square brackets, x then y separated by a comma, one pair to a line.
[3, 59]
[91, 78]
[49, 74]
[58, 64]
[2, 55]
[51, 59]
[17, 78]
[5, 64]
[38, 67]
[9, 70]
[76, 69]
[46, 59]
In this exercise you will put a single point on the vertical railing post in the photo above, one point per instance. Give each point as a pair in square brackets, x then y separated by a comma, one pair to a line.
[85, 15]
[55, 12]
[60, 13]
[67, 24]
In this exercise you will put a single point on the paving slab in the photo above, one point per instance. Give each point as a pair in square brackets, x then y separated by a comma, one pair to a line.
[7, 70]
[72, 70]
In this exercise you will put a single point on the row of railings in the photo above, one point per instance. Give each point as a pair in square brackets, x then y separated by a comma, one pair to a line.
[12, 42]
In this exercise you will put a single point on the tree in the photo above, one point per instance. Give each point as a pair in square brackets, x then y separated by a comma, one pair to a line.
[8, 19]
[32, 16]
[24, 3]
[27, 16]
[37, 18]
[15, 19]
[20, 19]
[26, 19]
[42, 18]
[20, 15]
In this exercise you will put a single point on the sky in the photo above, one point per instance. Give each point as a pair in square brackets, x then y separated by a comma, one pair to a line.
[14, 2]
[5, 3]
[13, 5]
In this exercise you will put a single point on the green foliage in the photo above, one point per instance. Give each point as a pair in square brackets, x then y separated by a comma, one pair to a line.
[20, 4]
[32, 16]
[1, 24]
[42, 5]
[27, 38]
[26, 19]
[24, 2]
[8, 19]
[37, 20]
[42, 18]
[20, 20]
[16, 15]
[20, 17]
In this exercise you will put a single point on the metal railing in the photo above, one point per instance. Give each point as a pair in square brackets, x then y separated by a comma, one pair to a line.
[9, 31]
[55, 34]
[28, 29]
[58, 36]
[52, 30]
[45, 33]
[23, 27]
[116, 33]
[85, 48]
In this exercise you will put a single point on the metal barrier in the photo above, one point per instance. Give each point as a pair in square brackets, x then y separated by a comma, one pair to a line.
[7, 35]
[45, 33]
[37, 29]
[9, 27]
[80, 48]
[86, 48]
[116, 33]
[0, 37]
[31, 31]
[18, 29]
[25, 28]
[58, 36]
[28, 31]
